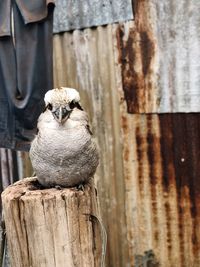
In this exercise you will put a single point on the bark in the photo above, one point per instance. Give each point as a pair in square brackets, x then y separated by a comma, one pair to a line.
[51, 227]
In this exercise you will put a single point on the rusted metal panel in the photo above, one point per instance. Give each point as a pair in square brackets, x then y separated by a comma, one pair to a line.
[160, 57]
[148, 177]
[71, 15]
[158, 53]
[163, 186]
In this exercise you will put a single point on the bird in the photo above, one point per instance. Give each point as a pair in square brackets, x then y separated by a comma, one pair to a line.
[63, 152]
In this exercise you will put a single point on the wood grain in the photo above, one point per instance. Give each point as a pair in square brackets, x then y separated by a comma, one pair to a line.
[51, 227]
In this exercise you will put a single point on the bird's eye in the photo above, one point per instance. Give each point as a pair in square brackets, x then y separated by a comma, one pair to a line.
[72, 105]
[50, 107]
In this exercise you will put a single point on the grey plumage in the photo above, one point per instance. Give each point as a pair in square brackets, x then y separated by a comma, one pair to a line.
[63, 152]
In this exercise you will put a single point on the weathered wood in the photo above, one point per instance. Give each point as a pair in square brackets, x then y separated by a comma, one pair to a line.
[51, 227]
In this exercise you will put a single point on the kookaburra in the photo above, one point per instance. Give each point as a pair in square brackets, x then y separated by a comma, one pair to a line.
[63, 152]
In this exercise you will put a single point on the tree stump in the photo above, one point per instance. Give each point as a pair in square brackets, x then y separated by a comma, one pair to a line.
[51, 227]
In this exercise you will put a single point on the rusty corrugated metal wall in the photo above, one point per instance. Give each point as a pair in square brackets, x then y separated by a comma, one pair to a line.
[148, 178]
[85, 60]
[163, 186]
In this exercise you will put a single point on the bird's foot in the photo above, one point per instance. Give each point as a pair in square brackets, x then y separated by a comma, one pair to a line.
[58, 187]
[80, 187]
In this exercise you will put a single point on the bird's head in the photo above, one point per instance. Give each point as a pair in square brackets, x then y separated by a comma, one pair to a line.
[61, 102]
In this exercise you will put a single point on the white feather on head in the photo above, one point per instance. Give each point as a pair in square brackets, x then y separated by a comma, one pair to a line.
[63, 95]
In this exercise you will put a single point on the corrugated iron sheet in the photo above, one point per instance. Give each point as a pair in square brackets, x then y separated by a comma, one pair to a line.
[160, 57]
[161, 170]
[84, 60]
[148, 176]
[158, 53]
[71, 15]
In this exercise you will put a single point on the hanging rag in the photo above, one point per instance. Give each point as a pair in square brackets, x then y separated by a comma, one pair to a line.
[26, 70]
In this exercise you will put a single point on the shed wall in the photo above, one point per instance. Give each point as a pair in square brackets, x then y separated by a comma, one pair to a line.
[148, 179]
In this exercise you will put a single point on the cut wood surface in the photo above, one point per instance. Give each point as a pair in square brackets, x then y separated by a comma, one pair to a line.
[51, 227]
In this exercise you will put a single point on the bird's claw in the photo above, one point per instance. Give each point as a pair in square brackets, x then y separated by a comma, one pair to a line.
[58, 187]
[80, 187]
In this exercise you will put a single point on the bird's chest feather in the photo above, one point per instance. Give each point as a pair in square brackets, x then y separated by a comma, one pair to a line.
[63, 143]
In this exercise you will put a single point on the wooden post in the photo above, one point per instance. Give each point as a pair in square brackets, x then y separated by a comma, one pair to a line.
[51, 227]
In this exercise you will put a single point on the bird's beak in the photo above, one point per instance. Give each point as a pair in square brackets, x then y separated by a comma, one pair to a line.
[61, 114]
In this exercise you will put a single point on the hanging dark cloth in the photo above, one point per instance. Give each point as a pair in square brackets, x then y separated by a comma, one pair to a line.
[26, 71]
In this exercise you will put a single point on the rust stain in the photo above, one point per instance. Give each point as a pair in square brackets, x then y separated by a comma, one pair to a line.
[135, 56]
[151, 151]
[147, 51]
[137, 50]
[169, 234]
[174, 179]
[167, 147]
[130, 78]
[180, 148]
[153, 147]
[124, 123]
[140, 155]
